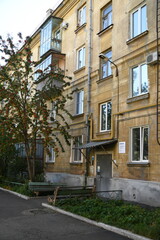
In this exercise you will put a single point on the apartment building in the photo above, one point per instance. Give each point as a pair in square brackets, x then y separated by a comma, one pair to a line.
[109, 48]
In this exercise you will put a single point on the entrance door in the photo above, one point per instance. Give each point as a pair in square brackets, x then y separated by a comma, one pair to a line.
[104, 171]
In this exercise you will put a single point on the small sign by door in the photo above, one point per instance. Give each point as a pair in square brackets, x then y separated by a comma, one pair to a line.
[122, 147]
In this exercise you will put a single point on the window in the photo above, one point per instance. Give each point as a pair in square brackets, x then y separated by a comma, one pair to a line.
[81, 57]
[81, 16]
[106, 65]
[139, 80]
[57, 40]
[106, 17]
[79, 102]
[52, 114]
[139, 21]
[43, 66]
[105, 116]
[50, 157]
[46, 34]
[140, 144]
[76, 153]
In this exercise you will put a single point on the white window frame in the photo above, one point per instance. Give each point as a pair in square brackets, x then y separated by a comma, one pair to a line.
[81, 16]
[140, 78]
[106, 119]
[141, 144]
[57, 39]
[106, 65]
[138, 10]
[80, 102]
[46, 38]
[44, 66]
[107, 17]
[50, 158]
[52, 113]
[73, 160]
[81, 52]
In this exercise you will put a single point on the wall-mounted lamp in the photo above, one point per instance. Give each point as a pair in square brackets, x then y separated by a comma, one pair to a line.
[102, 56]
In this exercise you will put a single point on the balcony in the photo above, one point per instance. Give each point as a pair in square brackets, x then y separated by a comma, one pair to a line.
[54, 63]
[50, 36]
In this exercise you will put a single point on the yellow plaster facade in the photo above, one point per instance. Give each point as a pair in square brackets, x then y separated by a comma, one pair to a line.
[129, 110]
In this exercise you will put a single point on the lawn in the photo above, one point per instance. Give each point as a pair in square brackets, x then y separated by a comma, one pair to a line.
[137, 219]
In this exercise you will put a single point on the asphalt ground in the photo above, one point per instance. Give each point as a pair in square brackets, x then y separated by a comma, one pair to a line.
[28, 220]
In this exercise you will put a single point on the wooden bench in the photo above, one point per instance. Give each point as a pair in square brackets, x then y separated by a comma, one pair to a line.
[71, 192]
[38, 187]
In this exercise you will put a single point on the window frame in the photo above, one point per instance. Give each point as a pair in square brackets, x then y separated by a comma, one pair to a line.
[106, 17]
[106, 64]
[76, 151]
[46, 37]
[44, 66]
[139, 30]
[106, 119]
[79, 102]
[142, 128]
[52, 157]
[81, 16]
[81, 64]
[140, 80]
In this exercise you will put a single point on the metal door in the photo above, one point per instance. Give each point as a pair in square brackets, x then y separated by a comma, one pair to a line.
[104, 171]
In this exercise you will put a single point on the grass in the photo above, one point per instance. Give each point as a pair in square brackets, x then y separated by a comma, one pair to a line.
[22, 189]
[137, 219]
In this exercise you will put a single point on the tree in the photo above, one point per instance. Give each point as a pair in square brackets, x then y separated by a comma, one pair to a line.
[24, 105]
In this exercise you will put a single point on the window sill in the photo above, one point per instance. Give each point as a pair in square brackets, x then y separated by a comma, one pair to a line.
[138, 164]
[76, 163]
[78, 70]
[105, 30]
[107, 132]
[80, 27]
[50, 163]
[77, 115]
[138, 98]
[104, 79]
[137, 37]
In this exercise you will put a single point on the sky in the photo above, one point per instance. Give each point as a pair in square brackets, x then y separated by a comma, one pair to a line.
[23, 15]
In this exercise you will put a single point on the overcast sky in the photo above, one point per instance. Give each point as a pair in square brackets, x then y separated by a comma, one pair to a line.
[23, 15]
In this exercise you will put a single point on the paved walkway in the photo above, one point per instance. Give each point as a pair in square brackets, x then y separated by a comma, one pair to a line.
[28, 220]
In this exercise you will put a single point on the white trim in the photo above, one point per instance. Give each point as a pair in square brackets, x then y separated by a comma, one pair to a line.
[141, 144]
[52, 157]
[72, 160]
[139, 20]
[139, 67]
[106, 104]
[81, 62]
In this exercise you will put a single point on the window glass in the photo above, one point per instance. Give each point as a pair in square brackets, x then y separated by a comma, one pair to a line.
[144, 79]
[77, 156]
[139, 21]
[106, 65]
[82, 16]
[143, 18]
[51, 156]
[105, 116]
[79, 102]
[135, 24]
[81, 58]
[136, 144]
[140, 144]
[135, 81]
[109, 111]
[139, 80]
[46, 34]
[107, 17]
[145, 144]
